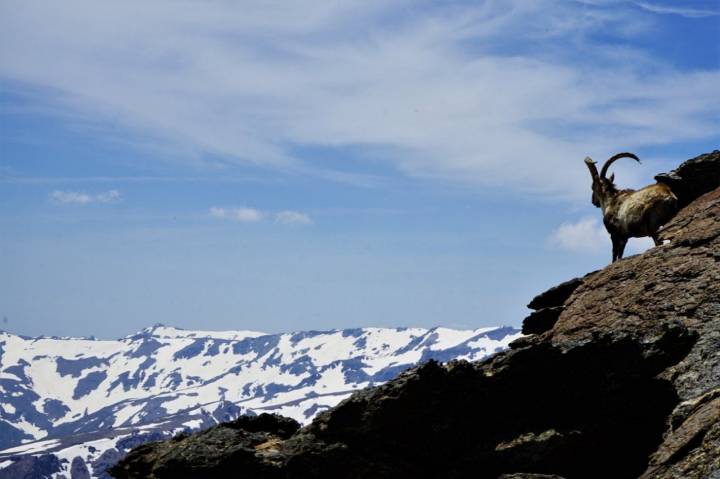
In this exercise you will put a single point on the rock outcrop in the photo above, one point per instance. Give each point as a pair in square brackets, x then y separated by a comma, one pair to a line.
[620, 379]
[232, 449]
[693, 178]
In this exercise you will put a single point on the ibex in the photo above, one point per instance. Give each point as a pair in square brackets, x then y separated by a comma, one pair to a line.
[629, 213]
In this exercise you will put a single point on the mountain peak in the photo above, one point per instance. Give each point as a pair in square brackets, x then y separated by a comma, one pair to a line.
[160, 330]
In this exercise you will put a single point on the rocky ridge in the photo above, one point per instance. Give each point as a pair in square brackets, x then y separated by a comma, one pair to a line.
[619, 377]
[72, 405]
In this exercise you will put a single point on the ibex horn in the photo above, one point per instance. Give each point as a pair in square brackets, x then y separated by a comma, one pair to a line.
[612, 159]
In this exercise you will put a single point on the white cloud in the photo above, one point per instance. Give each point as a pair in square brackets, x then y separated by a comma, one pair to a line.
[682, 11]
[252, 215]
[292, 217]
[77, 197]
[70, 197]
[510, 93]
[247, 214]
[244, 215]
[217, 212]
[588, 236]
[108, 197]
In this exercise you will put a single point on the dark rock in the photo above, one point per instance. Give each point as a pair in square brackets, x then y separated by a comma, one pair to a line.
[699, 435]
[275, 424]
[693, 178]
[693, 225]
[523, 342]
[102, 464]
[54, 408]
[524, 475]
[625, 384]
[78, 469]
[218, 451]
[138, 438]
[556, 295]
[537, 452]
[541, 320]
[32, 467]
[11, 436]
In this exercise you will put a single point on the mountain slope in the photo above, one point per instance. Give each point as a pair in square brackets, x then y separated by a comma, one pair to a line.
[82, 397]
[620, 379]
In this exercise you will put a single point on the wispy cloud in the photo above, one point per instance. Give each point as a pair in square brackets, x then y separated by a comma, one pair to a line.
[252, 215]
[292, 217]
[682, 11]
[109, 196]
[588, 236]
[244, 215]
[479, 91]
[82, 198]
[39, 180]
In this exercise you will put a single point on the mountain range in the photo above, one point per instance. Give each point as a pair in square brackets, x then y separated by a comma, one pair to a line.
[72, 407]
[617, 376]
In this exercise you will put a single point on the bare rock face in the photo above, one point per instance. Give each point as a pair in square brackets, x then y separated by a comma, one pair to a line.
[231, 449]
[693, 178]
[555, 296]
[623, 381]
[33, 466]
[548, 306]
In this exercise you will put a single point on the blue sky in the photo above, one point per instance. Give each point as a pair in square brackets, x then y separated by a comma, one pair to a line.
[313, 165]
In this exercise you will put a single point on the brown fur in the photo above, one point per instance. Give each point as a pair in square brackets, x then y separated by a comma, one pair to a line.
[630, 213]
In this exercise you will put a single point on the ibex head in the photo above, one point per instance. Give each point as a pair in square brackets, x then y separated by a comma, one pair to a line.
[603, 187]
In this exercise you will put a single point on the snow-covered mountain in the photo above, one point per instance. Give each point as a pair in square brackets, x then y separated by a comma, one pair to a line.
[72, 406]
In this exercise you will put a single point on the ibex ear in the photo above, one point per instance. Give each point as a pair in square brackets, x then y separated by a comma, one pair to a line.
[612, 178]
